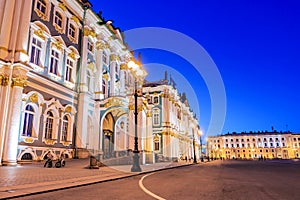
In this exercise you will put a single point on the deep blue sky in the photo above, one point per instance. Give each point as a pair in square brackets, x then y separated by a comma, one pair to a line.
[254, 43]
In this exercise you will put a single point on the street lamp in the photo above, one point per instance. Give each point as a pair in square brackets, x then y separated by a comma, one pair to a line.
[195, 159]
[139, 74]
[200, 134]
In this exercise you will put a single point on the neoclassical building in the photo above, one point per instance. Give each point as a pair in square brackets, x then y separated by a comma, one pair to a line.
[65, 87]
[254, 145]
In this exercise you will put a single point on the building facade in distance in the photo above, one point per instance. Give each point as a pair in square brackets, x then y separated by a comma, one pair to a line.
[254, 145]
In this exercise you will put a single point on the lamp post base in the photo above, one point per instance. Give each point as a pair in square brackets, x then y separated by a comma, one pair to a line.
[136, 163]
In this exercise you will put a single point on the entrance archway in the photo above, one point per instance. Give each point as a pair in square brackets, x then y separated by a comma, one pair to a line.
[108, 135]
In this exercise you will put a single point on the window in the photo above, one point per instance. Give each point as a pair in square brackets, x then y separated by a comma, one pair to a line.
[237, 145]
[54, 62]
[266, 144]
[156, 143]
[155, 100]
[65, 126]
[41, 6]
[72, 31]
[89, 81]
[36, 50]
[242, 140]
[226, 145]
[253, 140]
[271, 144]
[283, 144]
[226, 140]
[294, 139]
[104, 58]
[243, 145]
[277, 144]
[259, 139]
[58, 19]
[69, 70]
[231, 140]
[232, 145]
[28, 121]
[104, 87]
[248, 140]
[90, 46]
[49, 125]
[156, 117]
[237, 140]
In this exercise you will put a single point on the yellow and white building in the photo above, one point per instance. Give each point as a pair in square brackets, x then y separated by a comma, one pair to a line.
[254, 145]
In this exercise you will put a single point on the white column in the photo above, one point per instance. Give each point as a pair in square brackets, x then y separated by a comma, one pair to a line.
[122, 81]
[4, 99]
[11, 138]
[23, 31]
[113, 64]
[82, 82]
[7, 14]
[99, 64]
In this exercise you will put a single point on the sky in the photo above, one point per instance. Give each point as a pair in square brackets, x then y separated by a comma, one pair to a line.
[253, 43]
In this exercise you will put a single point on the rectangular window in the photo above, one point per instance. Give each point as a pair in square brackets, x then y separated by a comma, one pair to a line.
[36, 50]
[156, 146]
[72, 31]
[41, 6]
[64, 131]
[58, 19]
[49, 127]
[156, 118]
[90, 46]
[69, 69]
[54, 62]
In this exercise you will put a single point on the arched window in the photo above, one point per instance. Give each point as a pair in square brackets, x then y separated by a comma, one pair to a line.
[58, 19]
[41, 6]
[28, 121]
[49, 125]
[65, 128]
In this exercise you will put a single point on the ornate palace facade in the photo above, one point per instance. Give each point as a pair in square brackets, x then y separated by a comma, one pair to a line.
[66, 88]
[269, 145]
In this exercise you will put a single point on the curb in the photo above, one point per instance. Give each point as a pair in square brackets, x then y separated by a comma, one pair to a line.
[96, 182]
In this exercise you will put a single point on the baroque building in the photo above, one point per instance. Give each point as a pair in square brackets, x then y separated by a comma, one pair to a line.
[254, 145]
[65, 88]
[175, 127]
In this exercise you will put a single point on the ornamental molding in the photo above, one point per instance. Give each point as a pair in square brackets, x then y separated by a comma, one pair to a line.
[114, 102]
[19, 82]
[100, 45]
[34, 98]
[62, 6]
[50, 141]
[4, 80]
[114, 57]
[40, 33]
[123, 67]
[75, 19]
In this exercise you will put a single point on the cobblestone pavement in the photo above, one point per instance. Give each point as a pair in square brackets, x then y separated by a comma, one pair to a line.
[33, 178]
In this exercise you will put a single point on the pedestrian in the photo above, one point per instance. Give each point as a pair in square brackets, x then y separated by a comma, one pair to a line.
[48, 162]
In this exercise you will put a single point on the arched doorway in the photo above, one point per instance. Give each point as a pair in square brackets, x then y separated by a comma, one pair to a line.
[108, 136]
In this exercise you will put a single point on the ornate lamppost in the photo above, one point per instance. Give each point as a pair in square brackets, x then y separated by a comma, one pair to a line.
[139, 75]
